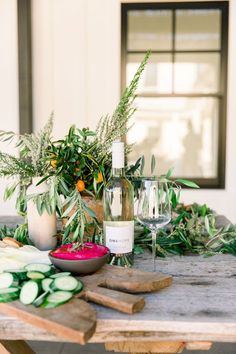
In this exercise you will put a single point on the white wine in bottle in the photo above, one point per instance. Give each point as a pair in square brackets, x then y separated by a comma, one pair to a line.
[118, 204]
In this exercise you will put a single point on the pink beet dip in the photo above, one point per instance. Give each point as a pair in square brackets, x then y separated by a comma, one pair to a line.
[87, 251]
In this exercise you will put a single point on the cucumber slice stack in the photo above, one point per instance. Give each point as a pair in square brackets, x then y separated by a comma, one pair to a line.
[38, 284]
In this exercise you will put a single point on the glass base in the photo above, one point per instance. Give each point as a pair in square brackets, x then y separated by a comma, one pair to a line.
[122, 260]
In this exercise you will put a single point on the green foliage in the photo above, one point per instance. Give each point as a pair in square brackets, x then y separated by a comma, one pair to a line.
[19, 233]
[114, 127]
[77, 212]
[50, 201]
[76, 157]
[192, 230]
[32, 162]
[11, 166]
[187, 183]
[85, 156]
[82, 156]
[32, 150]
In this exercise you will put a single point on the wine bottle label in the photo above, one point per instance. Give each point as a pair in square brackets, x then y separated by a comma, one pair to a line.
[120, 236]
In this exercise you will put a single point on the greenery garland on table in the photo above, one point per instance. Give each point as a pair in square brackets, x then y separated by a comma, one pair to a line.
[193, 230]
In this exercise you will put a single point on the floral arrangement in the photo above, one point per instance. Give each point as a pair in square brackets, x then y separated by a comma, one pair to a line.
[75, 166]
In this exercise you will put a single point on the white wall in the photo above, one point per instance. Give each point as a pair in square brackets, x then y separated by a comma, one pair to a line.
[76, 63]
[76, 73]
[9, 116]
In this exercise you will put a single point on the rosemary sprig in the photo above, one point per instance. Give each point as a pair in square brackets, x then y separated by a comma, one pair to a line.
[78, 246]
[114, 127]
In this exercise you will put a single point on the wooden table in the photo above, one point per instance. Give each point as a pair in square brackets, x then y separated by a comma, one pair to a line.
[198, 309]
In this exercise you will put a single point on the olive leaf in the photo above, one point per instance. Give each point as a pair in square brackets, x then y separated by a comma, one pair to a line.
[153, 164]
[187, 183]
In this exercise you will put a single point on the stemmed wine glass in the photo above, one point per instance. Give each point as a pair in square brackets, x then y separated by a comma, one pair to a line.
[154, 208]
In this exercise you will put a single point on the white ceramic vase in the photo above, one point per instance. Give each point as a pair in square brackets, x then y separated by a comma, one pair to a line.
[42, 228]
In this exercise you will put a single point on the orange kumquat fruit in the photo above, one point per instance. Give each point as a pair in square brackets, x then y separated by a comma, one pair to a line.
[80, 185]
[54, 163]
[99, 177]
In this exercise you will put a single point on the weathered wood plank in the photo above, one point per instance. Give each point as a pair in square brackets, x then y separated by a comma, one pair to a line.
[198, 345]
[75, 321]
[183, 312]
[109, 330]
[200, 266]
[199, 306]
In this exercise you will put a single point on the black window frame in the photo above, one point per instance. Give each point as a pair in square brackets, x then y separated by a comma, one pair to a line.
[219, 181]
[24, 66]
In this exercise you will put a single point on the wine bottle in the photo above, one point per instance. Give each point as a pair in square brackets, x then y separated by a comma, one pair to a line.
[118, 205]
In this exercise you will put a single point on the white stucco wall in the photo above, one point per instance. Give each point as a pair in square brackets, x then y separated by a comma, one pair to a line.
[9, 116]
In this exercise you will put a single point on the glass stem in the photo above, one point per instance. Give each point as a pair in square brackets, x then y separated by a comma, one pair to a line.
[154, 239]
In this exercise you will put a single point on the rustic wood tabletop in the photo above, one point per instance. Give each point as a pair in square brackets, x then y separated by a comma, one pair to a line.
[199, 308]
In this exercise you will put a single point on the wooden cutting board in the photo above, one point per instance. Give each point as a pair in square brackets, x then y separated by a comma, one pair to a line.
[75, 321]
[115, 287]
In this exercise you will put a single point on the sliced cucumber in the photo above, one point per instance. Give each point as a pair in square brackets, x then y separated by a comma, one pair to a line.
[8, 280]
[57, 298]
[35, 275]
[62, 274]
[29, 292]
[39, 267]
[9, 294]
[67, 283]
[79, 287]
[19, 273]
[46, 284]
[40, 299]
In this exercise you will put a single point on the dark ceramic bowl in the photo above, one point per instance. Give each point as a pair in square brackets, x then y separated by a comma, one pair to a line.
[80, 266]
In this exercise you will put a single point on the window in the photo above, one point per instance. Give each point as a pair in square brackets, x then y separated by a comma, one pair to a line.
[181, 115]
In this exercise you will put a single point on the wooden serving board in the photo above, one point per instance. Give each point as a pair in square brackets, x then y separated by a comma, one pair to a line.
[115, 287]
[75, 321]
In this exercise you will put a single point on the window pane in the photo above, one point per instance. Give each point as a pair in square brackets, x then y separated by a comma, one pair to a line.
[150, 29]
[198, 29]
[157, 76]
[180, 132]
[197, 73]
